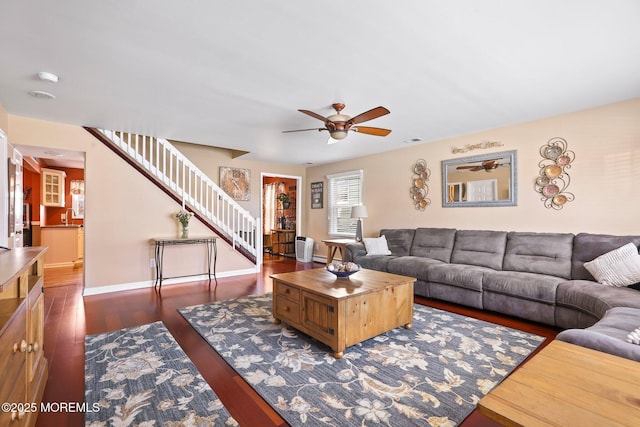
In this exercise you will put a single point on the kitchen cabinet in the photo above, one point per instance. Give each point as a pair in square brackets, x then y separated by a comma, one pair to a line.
[22, 362]
[65, 243]
[53, 187]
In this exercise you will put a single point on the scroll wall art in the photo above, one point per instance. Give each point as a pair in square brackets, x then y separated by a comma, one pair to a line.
[419, 188]
[554, 179]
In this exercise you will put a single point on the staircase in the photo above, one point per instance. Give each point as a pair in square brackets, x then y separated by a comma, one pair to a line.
[172, 172]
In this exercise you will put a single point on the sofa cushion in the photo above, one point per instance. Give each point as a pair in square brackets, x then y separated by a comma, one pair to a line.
[459, 275]
[609, 334]
[593, 298]
[587, 247]
[399, 240]
[412, 266]
[435, 243]
[543, 253]
[620, 267]
[529, 286]
[374, 262]
[479, 247]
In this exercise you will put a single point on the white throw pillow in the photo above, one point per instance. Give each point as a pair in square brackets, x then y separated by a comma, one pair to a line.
[634, 336]
[376, 245]
[620, 267]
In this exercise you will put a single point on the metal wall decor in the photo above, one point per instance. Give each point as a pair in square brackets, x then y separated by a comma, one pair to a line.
[480, 145]
[419, 188]
[554, 179]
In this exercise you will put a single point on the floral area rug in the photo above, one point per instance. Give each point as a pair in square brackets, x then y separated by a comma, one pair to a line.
[140, 376]
[433, 374]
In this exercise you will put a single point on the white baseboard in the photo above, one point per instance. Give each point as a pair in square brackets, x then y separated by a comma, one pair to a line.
[320, 259]
[167, 282]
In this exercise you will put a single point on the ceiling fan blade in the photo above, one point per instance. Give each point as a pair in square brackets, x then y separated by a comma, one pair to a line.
[371, 131]
[314, 115]
[374, 113]
[303, 130]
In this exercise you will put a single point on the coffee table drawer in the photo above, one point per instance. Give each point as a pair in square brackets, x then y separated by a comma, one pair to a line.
[288, 291]
[287, 310]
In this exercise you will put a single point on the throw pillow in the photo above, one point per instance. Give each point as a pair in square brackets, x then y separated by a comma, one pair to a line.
[634, 336]
[620, 267]
[376, 245]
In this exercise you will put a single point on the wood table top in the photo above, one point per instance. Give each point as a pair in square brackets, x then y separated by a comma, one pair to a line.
[319, 280]
[568, 385]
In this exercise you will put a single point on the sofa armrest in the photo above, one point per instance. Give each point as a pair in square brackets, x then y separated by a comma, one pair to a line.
[353, 250]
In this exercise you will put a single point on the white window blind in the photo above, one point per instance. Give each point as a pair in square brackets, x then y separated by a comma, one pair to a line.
[345, 191]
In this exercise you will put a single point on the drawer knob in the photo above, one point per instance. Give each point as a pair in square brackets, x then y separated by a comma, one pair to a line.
[22, 347]
[286, 309]
[33, 348]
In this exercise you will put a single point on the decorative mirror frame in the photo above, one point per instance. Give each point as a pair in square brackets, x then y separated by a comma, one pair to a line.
[513, 184]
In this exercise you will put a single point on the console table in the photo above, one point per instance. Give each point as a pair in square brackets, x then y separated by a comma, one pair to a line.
[567, 385]
[210, 246]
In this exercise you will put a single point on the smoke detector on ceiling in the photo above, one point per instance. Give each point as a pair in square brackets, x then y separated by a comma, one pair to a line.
[48, 77]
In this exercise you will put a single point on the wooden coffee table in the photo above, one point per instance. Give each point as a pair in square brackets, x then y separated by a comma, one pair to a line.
[567, 385]
[343, 312]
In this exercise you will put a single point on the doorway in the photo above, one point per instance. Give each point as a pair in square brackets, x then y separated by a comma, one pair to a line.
[53, 191]
[280, 212]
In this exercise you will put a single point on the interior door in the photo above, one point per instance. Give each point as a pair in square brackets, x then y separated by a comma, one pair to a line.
[16, 239]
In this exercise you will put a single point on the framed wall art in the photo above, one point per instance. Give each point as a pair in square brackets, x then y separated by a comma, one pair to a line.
[317, 195]
[236, 182]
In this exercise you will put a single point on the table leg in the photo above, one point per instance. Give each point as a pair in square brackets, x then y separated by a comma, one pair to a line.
[159, 261]
[331, 252]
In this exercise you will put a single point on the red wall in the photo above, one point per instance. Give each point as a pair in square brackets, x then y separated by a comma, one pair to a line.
[52, 215]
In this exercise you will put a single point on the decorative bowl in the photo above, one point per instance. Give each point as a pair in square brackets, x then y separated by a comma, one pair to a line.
[343, 270]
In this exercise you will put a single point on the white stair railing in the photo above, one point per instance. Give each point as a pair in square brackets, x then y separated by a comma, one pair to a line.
[177, 173]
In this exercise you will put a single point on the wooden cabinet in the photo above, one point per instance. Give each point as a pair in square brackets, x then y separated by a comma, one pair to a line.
[22, 362]
[53, 187]
[80, 243]
[341, 313]
[65, 244]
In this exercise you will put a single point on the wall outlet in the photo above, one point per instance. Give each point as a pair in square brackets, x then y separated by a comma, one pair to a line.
[152, 263]
[317, 246]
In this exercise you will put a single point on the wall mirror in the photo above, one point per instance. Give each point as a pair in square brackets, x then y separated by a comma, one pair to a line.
[483, 180]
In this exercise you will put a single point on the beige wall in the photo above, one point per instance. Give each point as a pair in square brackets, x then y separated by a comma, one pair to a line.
[209, 161]
[123, 210]
[605, 178]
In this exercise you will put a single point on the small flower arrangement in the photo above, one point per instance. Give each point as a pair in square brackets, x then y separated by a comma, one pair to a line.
[184, 216]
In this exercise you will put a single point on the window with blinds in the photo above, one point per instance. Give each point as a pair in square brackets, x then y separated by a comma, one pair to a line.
[344, 191]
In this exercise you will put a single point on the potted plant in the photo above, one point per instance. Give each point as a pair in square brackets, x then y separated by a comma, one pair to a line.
[284, 198]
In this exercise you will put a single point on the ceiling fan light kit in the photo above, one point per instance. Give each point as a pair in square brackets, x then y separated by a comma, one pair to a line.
[338, 125]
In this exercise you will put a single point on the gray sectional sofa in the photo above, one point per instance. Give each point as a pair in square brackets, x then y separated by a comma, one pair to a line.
[535, 276]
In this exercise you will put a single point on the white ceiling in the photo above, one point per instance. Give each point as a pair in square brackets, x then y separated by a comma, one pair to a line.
[233, 74]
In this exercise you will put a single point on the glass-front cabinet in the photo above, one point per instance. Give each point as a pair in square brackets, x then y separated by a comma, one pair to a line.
[53, 187]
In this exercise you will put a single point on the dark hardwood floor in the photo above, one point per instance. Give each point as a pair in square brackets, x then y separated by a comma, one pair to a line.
[69, 317]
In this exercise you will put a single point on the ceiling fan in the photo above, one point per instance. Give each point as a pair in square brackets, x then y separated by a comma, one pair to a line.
[340, 124]
[487, 166]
